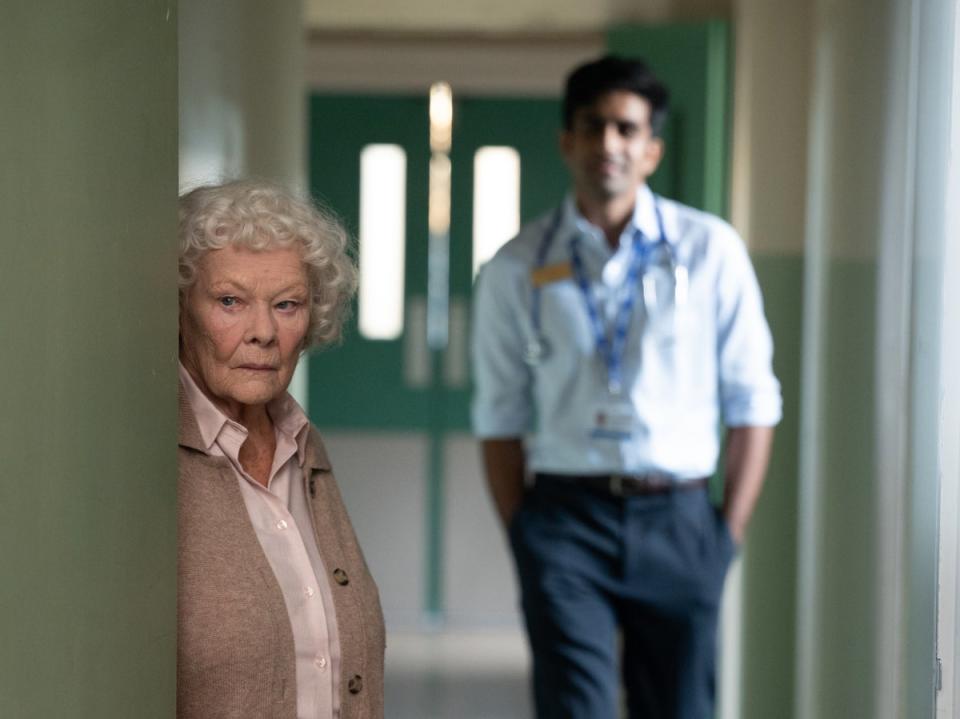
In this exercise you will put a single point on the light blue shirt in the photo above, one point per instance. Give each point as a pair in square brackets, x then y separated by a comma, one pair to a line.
[689, 363]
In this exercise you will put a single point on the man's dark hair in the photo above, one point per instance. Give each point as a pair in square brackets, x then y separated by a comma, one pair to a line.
[589, 81]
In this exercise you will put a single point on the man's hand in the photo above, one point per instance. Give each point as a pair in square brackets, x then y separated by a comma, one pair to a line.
[748, 453]
[505, 466]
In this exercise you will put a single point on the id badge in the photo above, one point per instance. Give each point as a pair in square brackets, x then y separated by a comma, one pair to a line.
[614, 418]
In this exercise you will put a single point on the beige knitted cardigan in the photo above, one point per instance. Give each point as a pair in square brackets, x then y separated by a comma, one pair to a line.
[235, 654]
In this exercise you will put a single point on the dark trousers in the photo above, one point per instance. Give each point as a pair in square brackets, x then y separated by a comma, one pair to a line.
[646, 569]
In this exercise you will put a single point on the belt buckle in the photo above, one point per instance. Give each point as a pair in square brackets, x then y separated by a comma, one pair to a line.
[616, 485]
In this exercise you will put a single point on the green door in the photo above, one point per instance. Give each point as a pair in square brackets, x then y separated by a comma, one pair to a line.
[370, 390]
[529, 126]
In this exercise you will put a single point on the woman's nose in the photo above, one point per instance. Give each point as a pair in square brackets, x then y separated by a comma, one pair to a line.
[263, 327]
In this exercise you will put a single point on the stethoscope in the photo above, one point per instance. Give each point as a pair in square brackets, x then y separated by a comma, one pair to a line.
[611, 349]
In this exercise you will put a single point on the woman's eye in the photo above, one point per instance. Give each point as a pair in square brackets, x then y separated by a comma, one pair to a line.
[287, 305]
[228, 301]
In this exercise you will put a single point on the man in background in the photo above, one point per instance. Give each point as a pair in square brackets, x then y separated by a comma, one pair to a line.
[617, 333]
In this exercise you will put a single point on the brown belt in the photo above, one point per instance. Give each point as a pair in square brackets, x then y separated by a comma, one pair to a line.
[627, 485]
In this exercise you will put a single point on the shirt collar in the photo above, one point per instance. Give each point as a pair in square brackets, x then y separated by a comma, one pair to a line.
[644, 218]
[645, 215]
[209, 421]
[289, 418]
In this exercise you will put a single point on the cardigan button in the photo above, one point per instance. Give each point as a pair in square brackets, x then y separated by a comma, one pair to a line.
[340, 577]
[355, 685]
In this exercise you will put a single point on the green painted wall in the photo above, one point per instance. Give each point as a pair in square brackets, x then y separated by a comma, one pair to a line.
[88, 184]
[846, 567]
[770, 554]
[847, 562]
[849, 533]
[846, 555]
[694, 60]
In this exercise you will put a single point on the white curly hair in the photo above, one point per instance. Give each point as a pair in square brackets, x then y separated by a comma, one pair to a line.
[258, 215]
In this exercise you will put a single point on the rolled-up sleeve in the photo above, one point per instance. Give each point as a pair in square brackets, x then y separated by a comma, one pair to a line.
[749, 391]
[502, 397]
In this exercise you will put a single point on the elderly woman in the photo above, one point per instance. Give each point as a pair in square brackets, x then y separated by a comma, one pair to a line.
[279, 616]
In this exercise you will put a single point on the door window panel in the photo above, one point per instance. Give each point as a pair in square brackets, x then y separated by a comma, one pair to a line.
[496, 200]
[383, 199]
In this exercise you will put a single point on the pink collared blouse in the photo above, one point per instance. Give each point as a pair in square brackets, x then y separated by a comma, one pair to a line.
[282, 522]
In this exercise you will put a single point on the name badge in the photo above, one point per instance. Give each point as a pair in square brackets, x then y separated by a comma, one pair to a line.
[614, 418]
[551, 273]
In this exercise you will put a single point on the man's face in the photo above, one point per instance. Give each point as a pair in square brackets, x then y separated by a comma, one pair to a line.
[610, 148]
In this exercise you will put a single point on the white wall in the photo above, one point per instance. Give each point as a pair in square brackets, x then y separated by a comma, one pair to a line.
[242, 99]
[241, 91]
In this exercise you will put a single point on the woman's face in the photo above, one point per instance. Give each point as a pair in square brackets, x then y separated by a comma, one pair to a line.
[243, 323]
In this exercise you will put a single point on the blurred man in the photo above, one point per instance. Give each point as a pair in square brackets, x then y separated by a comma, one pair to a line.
[618, 331]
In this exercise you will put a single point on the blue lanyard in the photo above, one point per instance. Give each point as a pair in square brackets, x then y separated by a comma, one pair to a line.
[611, 350]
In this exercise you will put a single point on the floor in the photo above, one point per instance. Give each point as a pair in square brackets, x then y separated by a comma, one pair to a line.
[457, 675]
